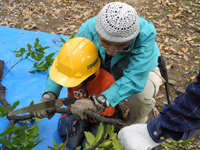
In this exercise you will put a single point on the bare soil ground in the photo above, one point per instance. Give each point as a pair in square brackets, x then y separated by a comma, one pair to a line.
[177, 23]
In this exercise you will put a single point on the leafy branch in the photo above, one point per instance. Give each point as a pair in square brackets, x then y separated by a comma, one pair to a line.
[34, 54]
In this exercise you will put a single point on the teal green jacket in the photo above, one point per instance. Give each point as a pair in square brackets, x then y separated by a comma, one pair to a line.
[131, 69]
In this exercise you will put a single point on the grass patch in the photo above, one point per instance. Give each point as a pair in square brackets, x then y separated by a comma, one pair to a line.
[194, 53]
[177, 45]
[196, 39]
[177, 72]
[40, 22]
[184, 62]
[23, 25]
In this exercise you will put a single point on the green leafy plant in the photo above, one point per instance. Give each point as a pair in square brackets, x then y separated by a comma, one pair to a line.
[56, 146]
[194, 53]
[110, 141]
[196, 39]
[40, 22]
[71, 37]
[36, 54]
[3, 111]
[23, 138]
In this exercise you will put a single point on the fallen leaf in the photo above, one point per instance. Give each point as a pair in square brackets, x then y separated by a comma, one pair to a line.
[166, 48]
[193, 77]
[171, 81]
[126, 113]
[57, 11]
[185, 57]
[160, 96]
[184, 50]
[185, 66]
[162, 51]
[160, 45]
[28, 12]
[78, 6]
[177, 15]
[189, 39]
[59, 28]
[161, 24]
[90, 10]
[155, 112]
[168, 66]
[197, 23]
[166, 40]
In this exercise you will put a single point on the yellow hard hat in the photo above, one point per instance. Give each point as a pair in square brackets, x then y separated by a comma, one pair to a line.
[77, 60]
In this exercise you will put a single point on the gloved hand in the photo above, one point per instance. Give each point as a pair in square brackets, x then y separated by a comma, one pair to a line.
[48, 113]
[136, 137]
[86, 104]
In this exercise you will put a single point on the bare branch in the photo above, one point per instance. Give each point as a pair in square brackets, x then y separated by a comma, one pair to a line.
[11, 68]
[4, 102]
[1, 67]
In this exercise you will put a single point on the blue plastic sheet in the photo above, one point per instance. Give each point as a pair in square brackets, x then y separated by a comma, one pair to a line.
[24, 86]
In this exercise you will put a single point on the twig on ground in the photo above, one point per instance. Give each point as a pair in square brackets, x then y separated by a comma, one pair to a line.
[11, 68]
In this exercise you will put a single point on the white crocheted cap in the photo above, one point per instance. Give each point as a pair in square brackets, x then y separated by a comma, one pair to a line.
[117, 22]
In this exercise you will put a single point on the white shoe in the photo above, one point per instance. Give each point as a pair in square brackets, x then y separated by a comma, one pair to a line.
[136, 137]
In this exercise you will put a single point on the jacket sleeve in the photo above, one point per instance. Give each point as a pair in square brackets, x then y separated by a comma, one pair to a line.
[52, 86]
[180, 120]
[143, 59]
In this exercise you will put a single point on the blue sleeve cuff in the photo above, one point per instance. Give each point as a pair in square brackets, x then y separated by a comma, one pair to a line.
[159, 131]
[155, 131]
[111, 98]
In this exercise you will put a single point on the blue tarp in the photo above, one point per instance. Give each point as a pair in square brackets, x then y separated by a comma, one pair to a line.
[24, 86]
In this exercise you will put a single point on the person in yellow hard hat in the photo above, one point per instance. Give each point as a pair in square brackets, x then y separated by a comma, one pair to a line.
[77, 67]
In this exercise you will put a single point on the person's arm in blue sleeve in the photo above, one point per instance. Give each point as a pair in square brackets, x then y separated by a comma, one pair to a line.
[143, 59]
[52, 86]
[178, 121]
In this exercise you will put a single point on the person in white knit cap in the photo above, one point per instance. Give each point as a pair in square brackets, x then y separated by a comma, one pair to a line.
[127, 49]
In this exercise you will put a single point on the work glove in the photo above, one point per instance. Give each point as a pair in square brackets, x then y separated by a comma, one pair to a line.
[91, 104]
[47, 113]
[136, 137]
